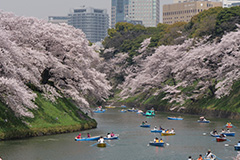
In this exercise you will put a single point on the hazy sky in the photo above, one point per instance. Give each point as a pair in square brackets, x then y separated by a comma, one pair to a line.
[44, 8]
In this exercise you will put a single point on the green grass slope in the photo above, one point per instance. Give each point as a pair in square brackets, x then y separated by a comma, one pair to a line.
[50, 118]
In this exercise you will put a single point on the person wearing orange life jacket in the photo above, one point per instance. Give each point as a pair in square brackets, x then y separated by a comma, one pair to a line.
[200, 157]
[156, 140]
[161, 141]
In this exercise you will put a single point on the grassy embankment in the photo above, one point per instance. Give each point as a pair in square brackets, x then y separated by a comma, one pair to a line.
[50, 118]
[207, 101]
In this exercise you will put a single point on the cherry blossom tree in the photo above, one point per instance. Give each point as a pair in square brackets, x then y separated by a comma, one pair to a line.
[52, 58]
[207, 66]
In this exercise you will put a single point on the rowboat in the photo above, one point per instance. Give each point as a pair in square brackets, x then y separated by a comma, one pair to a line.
[214, 135]
[175, 118]
[229, 134]
[145, 125]
[204, 121]
[237, 147]
[159, 144]
[87, 139]
[123, 106]
[123, 111]
[219, 139]
[132, 110]
[150, 113]
[101, 144]
[156, 131]
[139, 112]
[167, 134]
[99, 111]
[229, 125]
[213, 158]
[111, 138]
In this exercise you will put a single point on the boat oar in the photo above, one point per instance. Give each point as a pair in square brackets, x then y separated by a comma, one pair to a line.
[228, 140]
[107, 144]
[94, 144]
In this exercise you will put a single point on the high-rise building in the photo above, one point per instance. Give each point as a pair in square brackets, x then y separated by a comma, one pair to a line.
[146, 11]
[119, 11]
[231, 3]
[93, 22]
[183, 12]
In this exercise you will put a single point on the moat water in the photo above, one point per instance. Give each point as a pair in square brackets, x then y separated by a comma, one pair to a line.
[189, 140]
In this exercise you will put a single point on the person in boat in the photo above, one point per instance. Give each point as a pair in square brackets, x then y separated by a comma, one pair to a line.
[108, 135]
[88, 135]
[229, 124]
[155, 128]
[208, 155]
[222, 135]
[200, 157]
[156, 140]
[161, 141]
[215, 132]
[212, 157]
[203, 119]
[172, 130]
[238, 143]
[112, 134]
[79, 136]
[143, 123]
[223, 130]
[146, 122]
[190, 158]
[228, 131]
[101, 140]
[160, 128]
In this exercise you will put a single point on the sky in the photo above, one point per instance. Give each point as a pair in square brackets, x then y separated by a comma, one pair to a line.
[44, 8]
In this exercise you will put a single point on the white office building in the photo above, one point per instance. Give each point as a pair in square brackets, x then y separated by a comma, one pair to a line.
[93, 22]
[231, 3]
[146, 11]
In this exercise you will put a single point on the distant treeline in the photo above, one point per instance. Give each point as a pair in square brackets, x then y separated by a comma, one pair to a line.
[126, 37]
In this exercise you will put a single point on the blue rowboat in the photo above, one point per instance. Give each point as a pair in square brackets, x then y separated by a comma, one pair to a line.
[214, 135]
[175, 118]
[123, 106]
[88, 139]
[99, 111]
[123, 111]
[213, 158]
[206, 121]
[111, 138]
[145, 125]
[229, 134]
[132, 110]
[156, 131]
[237, 148]
[159, 144]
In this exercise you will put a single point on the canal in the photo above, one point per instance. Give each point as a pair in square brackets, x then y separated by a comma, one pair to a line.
[189, 140]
